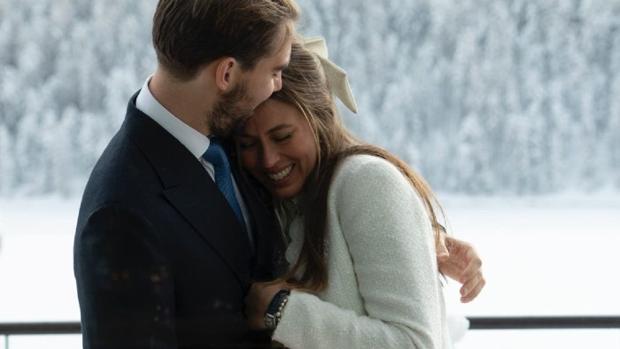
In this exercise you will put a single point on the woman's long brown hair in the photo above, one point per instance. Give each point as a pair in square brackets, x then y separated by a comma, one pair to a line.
[305, 88]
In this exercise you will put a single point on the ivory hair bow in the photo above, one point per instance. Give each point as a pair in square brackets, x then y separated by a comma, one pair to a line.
[336, 77]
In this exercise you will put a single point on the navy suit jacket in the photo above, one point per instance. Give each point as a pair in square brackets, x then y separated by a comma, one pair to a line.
[159, 258]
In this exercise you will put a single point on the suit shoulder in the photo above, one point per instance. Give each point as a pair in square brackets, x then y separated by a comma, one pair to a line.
[122, 174]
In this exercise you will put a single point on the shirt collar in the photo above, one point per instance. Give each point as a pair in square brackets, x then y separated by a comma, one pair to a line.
[194, 141]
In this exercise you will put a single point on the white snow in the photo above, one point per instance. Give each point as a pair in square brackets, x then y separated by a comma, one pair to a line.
[551, 256]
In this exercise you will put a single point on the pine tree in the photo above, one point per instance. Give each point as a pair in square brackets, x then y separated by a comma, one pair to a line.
[481, 96]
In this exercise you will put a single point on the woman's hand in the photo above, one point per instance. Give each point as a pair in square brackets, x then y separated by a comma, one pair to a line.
[258, 299]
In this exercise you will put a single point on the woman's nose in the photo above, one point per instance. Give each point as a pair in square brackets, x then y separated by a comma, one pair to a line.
[270, 157]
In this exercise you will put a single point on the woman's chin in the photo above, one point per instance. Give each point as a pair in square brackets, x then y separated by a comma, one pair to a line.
[283, 193]
[285, 189]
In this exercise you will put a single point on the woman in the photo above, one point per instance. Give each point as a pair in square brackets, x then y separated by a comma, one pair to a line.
[359, 222]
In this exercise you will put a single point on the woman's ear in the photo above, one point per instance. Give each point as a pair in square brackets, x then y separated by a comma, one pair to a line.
[226, 73]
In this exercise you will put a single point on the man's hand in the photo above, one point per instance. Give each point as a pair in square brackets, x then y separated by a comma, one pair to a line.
[258, 299]
[462, 264]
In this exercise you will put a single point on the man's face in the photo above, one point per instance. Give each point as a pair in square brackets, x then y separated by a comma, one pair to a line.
[255, 87]
[266, 77]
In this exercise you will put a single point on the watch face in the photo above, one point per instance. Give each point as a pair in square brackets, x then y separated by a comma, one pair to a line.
[270, 321]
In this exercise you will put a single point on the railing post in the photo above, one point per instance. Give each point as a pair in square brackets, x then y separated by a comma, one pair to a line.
[6, 342]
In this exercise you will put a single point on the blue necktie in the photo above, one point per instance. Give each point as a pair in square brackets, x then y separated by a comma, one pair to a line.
[223, 178]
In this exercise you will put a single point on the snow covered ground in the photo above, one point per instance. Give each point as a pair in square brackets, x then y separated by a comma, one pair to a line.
[549, 256]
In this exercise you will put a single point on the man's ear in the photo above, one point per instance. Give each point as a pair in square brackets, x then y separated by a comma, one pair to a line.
[227, 71]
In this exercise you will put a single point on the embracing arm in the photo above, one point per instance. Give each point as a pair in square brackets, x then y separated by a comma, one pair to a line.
[395, 263]
[124, 285]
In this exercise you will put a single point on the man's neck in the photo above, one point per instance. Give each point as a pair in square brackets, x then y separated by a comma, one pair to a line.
[189, 101]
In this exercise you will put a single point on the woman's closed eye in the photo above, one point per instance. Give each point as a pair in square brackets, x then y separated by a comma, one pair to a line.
[282, 137]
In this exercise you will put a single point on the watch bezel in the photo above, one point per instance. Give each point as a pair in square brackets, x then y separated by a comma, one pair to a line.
[273, 312]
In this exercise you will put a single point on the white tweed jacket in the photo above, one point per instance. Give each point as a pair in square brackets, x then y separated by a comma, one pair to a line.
[384, 289]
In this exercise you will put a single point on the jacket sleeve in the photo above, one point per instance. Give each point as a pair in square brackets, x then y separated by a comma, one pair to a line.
[390, 241]
[124, 284]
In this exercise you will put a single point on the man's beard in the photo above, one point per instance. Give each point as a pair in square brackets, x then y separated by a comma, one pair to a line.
[228, 114]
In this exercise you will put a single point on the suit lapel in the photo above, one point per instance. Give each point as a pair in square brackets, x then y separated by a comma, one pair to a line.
[214, 221]
[191, 191]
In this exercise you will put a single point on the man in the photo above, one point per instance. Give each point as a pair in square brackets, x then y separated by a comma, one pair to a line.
[161, 259]
[164, 252]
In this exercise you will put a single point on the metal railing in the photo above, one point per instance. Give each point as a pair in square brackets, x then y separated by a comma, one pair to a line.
[37, 328]
[544, 322]
[475, 323]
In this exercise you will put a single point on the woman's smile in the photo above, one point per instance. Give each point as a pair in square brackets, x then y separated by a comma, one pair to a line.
[281, 175]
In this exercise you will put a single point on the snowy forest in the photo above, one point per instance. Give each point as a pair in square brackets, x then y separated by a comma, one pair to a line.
[485, 97]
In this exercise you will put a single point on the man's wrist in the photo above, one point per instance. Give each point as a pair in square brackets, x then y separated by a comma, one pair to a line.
[273, 315]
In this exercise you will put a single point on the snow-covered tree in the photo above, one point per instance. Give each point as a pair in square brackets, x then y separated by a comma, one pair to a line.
[481, 96]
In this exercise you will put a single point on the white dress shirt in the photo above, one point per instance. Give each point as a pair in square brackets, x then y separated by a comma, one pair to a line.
[194, 141]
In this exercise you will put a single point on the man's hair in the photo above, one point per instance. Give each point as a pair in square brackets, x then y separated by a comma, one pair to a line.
[189, 34]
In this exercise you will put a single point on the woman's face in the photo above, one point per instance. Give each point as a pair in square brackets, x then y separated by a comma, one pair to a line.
[277, 147]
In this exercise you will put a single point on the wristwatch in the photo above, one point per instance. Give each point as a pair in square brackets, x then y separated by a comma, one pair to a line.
[274, 310]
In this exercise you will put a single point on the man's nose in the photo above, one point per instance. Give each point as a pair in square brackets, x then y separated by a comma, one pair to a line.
[277, 83]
